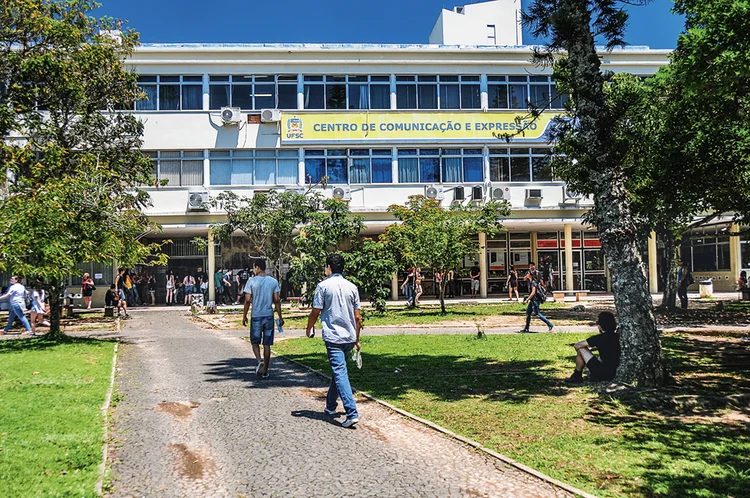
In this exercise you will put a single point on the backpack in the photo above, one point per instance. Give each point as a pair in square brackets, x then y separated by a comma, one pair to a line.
[689, 280]
[29, 300]
[541, 294]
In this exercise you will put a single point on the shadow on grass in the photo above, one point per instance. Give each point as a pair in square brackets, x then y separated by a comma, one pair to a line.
[447, 377]
[694, 434]
[683, 458]
[43, 342]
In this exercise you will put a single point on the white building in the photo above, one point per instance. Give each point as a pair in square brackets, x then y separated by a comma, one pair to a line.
[383, 122]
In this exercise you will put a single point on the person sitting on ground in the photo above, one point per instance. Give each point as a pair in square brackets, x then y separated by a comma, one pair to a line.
[607, 342]
[116, 299]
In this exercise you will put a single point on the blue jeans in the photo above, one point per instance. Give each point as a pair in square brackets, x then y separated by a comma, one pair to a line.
[533, 307]
[16, 311]
[340, 386]
[409, 294]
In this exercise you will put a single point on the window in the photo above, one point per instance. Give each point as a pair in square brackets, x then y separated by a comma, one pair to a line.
[520, 165]
[347, 92]
[440, 165]
[370, 166]
[330, 162]
[253, 92]
[349, 165]
[517, 92]
[170, 93]
[707, 250]
[491, 34]
[438, 92]
[178, 167]
[253, 167]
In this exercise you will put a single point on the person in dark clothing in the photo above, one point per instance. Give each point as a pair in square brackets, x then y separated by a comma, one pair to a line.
[535, 298]
[684, 279]
[607, 342]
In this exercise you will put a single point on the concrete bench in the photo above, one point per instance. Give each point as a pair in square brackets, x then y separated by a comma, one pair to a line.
[745, 294]
[560, 294]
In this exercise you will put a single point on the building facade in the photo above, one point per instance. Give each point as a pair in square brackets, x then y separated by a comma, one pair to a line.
[384, 122]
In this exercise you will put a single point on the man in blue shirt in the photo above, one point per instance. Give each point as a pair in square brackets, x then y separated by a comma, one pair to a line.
[337, 302]
[263, 292]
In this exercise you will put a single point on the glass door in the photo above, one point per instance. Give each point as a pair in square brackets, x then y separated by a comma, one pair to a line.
[577, 270]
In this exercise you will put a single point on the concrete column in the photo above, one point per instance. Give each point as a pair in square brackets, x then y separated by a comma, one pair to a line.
[653, 273]
[301, 180]
[206, 93]
[606, 275]
[300, 91]
[206, 168]
[483, 96]
[534, 256]
[735, 253]
[394, 164]
[394, 104]
[211, 266]
[394, 287]
[482, 264]
[569, 257]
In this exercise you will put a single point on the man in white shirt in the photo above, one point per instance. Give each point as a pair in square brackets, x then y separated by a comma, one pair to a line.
[337, 302]
[17, 295]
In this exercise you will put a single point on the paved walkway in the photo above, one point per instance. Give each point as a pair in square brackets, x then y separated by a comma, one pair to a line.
[195, 421]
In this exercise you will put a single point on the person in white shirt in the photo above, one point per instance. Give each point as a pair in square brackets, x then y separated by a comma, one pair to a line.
[17, 295]
[337, 302]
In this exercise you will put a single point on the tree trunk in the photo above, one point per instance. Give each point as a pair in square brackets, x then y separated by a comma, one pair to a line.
[442, 294]
[55, 310]
[671, 260]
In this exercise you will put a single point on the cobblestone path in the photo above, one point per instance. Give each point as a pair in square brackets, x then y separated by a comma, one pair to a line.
[194, 420]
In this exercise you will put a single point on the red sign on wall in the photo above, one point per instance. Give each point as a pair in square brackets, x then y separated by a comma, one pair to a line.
[546, 244]
[592, 243]
[576, 243]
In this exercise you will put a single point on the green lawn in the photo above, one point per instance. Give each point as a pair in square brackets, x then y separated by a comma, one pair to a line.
[506, 392]
[51, 428]
[426, 315]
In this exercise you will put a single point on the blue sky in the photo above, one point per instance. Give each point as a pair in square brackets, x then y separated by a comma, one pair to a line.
[330, 21]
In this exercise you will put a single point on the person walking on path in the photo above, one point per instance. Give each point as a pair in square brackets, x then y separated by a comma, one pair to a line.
[534, 299]
[512, 284]
[17, 295]
[337, 302]
[262, 292]
[474, 275]
[87, 289]
[37, 307]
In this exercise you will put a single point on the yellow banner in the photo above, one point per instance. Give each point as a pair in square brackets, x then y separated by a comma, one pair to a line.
[425, 126]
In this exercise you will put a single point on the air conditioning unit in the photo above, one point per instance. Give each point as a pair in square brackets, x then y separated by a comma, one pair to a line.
[343, 193]
[458, 194]
[498, 193]
[197, 201]
[533, 194]
[230, 115]
[477, 193]
[270, 116]
[434, 192]
[568, 193]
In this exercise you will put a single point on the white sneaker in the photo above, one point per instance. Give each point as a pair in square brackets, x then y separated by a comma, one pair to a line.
[259, 368]
[349, 422]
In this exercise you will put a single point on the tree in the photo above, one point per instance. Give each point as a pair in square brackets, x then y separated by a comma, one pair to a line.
[438, 238]
[370, 266]
[268, 219]
[591, 137]
[73, 159]
[699, 138]
[322, 234]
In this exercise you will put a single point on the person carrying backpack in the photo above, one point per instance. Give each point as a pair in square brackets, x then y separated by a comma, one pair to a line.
[537, 296]
[684, 280]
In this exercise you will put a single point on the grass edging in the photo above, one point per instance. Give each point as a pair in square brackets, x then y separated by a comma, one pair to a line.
[465, 440]
[105, 413]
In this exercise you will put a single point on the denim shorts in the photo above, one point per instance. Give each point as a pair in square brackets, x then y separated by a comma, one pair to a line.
[261, 328]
